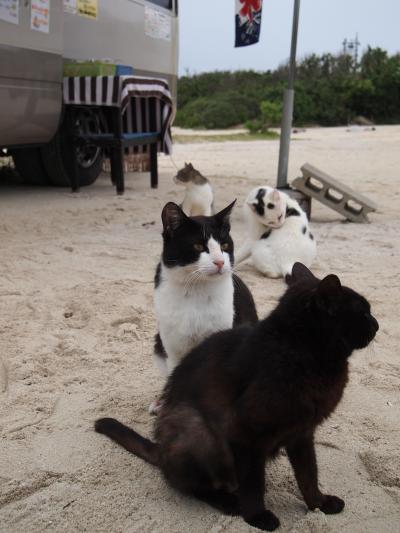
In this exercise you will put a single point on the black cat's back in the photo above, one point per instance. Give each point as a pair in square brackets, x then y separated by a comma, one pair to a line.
[216, 357]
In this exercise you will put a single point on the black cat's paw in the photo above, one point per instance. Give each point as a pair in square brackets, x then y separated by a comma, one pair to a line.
[331, 504]
[266, 521]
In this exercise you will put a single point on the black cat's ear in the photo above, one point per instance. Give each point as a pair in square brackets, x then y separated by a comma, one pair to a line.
[299, 273]
[172, 217]
[223, 216]
[329, 291]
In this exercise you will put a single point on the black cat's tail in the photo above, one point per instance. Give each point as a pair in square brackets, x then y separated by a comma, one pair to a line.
[129, 439]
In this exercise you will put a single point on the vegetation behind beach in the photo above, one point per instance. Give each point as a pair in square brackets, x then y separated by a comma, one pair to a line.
[331, 90]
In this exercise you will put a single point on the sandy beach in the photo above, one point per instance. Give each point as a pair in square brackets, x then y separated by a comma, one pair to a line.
[77, 327]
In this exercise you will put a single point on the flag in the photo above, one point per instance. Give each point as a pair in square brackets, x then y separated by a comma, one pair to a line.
[247, 21]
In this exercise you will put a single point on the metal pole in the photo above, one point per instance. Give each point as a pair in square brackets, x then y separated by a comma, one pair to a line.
[288, 99]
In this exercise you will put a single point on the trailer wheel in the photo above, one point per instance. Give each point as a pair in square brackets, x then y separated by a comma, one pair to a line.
[29, 165]
[56, 156]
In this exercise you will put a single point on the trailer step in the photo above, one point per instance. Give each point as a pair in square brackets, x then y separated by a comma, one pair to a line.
[334, 194]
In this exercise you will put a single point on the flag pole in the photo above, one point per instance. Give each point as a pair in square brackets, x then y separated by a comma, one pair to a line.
[288, 99]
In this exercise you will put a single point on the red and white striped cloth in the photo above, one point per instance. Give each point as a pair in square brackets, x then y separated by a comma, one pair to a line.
[133, 94]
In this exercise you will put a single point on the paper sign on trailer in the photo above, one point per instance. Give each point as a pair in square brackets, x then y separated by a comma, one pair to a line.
[9, 11]
[157, 24]
[70, 6]
[88, 9]
[40, 15]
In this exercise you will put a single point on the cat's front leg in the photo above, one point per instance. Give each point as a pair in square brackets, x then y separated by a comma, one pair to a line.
[303, 460]
[250, 467]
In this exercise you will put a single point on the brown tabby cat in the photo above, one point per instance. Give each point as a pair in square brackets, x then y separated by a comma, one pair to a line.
[199, 196]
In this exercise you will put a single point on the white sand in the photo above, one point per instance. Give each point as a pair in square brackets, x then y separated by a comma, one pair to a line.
[76, 329]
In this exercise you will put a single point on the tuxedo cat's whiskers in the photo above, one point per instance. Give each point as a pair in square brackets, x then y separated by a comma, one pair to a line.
[193, 279]
[196, 276]
[235, 268]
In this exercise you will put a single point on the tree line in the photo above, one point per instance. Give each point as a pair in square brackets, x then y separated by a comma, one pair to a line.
[330, 90]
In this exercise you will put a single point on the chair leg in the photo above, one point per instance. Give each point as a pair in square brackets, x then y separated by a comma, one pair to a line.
[153, 166]
[109, 153]
[117, 168]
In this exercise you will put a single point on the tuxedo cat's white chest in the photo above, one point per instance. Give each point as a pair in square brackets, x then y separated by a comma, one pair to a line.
[186, 317]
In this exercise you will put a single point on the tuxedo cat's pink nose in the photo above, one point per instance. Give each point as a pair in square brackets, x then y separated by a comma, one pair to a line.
[219, 263]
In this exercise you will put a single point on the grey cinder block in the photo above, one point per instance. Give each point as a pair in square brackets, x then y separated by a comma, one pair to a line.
[334, 194]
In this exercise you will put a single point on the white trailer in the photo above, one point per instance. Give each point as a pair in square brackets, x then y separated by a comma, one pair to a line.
[34, 45]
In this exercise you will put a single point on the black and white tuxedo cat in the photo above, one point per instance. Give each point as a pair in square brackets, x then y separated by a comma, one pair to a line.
[196, 292]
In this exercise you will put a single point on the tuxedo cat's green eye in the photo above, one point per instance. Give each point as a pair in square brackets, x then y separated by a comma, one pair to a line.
[225, 246]
[199, 247]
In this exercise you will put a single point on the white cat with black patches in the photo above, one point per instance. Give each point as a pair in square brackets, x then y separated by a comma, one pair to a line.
[196, 292]
[199, 195]
[278, 233]
[264, 209]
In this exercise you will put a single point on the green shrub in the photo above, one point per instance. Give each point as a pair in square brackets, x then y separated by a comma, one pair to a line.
[221, 110]
[330, 91]
[254, 126]
[271, 114]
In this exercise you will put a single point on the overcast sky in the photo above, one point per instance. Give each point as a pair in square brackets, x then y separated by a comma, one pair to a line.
[207, 31]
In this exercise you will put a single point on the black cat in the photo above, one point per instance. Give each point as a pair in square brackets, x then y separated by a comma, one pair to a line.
[243, 394]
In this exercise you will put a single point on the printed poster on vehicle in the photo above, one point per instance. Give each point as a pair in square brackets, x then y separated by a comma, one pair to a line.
[157, 24]
[9, 11]
[40, 15]
[71, 7]
[88, 9]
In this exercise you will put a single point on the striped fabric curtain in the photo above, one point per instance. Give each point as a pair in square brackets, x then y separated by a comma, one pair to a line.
[247, 22]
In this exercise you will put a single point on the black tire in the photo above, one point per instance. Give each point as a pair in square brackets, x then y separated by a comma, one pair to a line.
[56, 156]
[29, 165]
